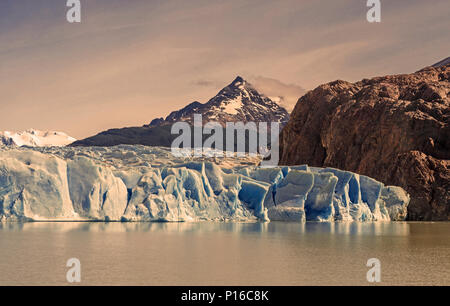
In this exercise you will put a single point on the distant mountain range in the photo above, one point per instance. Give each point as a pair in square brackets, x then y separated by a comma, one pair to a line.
[237, 102]
[35, 138]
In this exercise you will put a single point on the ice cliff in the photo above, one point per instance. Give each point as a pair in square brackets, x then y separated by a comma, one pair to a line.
[136, 183]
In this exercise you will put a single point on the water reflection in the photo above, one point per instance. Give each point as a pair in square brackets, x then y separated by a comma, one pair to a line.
[206, 253]
[351, 228]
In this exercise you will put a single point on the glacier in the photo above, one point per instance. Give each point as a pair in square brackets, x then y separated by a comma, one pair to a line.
[145, 184]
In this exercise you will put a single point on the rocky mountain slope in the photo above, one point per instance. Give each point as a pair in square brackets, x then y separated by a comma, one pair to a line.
[238, 102]
[146, 135]
[393, 128]
[35, 138]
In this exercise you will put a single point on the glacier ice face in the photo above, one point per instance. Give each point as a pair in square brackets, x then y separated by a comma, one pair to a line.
[34, 186]
[393, 199]
[289, 196]
[94, 190]
[137, 183]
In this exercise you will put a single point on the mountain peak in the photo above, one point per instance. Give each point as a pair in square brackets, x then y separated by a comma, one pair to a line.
[240, 83]
[237, 102]
[238, 80]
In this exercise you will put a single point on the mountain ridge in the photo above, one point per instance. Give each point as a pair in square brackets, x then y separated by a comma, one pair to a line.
[442, 63]
[237, 102]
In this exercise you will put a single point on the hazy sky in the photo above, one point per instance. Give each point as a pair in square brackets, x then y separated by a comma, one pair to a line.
[131, 61]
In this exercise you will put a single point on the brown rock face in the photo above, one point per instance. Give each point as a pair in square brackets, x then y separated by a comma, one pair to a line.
[394, 129]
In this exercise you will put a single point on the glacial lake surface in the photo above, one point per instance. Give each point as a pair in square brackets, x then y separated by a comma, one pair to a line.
[226, 254]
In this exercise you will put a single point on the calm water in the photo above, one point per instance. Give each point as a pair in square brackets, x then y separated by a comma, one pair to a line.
[225, 254]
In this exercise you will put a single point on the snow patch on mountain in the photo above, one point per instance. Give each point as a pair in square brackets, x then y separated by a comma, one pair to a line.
[233, 106]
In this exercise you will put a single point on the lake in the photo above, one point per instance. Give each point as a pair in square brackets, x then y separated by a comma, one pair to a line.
[190, 254]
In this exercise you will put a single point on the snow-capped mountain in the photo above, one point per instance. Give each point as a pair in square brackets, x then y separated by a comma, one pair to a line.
[238, 102]
[35, 138]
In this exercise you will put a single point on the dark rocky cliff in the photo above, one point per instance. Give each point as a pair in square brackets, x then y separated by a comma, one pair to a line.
[393, 128]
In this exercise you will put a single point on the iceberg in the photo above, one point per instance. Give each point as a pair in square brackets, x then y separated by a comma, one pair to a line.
[145, 184]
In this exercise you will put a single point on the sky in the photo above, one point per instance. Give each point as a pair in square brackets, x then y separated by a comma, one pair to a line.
[129, 62]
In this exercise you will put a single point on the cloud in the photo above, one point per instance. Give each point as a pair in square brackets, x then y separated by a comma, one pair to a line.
[288, 93]
[205, 83]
